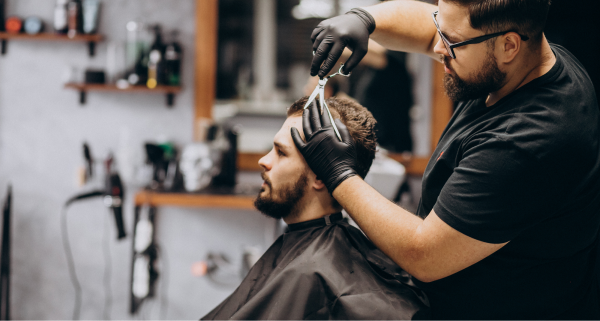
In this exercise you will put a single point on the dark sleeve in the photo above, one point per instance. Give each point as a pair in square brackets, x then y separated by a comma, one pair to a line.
[496, 191]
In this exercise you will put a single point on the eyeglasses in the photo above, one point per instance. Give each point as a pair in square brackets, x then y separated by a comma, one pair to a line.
[450, 46]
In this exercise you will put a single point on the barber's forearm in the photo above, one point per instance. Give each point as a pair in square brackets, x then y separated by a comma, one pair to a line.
[404, 25]
[392, 229]
[427, 249]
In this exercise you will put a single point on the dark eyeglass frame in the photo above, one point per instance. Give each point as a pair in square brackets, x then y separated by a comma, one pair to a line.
[450, 46]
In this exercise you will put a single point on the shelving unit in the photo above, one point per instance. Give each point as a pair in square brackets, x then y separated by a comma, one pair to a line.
[90, 39]
[169, 91]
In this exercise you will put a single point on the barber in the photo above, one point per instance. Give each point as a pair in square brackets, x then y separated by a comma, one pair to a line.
[507, 226]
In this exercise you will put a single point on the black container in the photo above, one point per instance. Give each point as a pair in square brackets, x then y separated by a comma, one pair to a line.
[228, 174]
[95, 77]
[173, 55]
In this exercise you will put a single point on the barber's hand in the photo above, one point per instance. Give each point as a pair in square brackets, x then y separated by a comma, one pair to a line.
[331, 36]
[333, 161]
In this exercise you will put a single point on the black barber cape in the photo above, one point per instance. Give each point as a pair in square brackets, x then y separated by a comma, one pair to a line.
[323, 271]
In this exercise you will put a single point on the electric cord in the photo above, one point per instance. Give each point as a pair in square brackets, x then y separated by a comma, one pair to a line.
[145, 312]
[164, 297]
[148, 311]
[70, 262]
[107, 271]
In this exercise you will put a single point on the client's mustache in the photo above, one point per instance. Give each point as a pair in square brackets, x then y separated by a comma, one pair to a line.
[446, 62]
[265, 178]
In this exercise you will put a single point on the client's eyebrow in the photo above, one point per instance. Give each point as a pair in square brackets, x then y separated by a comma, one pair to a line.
[280, 146]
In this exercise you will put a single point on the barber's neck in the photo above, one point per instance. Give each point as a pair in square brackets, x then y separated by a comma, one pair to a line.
[312, 206]
[531, 66]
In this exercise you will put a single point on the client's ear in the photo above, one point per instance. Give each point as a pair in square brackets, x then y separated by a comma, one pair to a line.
[315, 182]
[318, 184]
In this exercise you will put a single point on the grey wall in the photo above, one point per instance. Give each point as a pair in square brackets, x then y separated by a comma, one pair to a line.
[42, 127]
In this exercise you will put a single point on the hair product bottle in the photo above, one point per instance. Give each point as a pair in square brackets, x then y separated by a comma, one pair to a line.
[75, 18]
[156, 60]
[173, 57]
[61, 17]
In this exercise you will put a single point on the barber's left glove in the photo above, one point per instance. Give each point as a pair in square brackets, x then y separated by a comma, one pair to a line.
[333, 161]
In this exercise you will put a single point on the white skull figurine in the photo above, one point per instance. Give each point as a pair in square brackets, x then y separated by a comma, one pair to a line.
[199, 164]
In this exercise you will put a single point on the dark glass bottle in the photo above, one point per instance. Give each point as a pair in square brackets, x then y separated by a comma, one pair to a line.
[173, 55]
[156, 61]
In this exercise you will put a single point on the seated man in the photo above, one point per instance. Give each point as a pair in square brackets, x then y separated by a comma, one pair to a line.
[321, 268]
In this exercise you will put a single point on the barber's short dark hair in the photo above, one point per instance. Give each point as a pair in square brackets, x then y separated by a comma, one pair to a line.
[526, 17]
[358, 120]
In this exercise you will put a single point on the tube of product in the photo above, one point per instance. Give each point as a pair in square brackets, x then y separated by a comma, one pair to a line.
[75, 17]
[91, 10]
[61, 17]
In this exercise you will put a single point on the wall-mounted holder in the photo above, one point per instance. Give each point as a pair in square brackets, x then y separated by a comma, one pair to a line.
[143, 271]
[169, 91]
[90, 39]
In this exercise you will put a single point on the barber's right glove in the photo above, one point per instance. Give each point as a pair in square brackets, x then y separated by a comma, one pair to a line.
[331, 36]
[331, 159]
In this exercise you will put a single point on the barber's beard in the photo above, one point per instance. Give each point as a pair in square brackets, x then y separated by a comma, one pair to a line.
[488, 80]
[283, 202]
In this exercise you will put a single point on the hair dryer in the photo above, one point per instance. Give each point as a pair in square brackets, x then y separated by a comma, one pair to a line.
[113, 197]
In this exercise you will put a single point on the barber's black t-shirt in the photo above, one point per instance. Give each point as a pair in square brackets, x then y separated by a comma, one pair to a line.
[525, 171]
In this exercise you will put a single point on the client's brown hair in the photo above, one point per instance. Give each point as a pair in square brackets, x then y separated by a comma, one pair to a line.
[360, 123]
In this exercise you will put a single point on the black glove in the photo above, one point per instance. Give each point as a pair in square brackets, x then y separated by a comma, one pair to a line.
[333, 161]
[331, 36]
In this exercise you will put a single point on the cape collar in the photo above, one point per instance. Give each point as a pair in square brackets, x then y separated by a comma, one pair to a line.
[323, 221]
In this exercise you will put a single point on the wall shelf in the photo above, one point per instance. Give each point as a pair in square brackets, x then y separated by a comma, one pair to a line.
[169, 91]
[194, 200]
[90, 39]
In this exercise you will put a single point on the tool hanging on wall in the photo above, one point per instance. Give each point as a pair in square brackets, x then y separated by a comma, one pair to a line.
[112, 192]
[145, 254]
[5, 258]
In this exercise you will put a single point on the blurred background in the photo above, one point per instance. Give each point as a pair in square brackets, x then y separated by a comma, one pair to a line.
[130, 132]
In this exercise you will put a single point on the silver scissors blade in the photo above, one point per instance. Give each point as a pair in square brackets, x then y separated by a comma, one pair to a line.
[337, 133]
[320, 90]
[312, 96]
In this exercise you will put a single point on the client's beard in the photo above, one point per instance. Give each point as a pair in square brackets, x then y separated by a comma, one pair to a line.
[488, 80]
[287, 200]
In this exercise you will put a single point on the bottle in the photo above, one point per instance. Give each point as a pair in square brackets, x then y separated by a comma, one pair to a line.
[156, 60]
[89, 16]
[173, 57]
[2, 16]
[136, 50]
[139, 74]
[75, 18]
[61, 17]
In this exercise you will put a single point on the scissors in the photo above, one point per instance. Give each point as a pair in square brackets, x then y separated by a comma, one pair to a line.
[320, 90]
